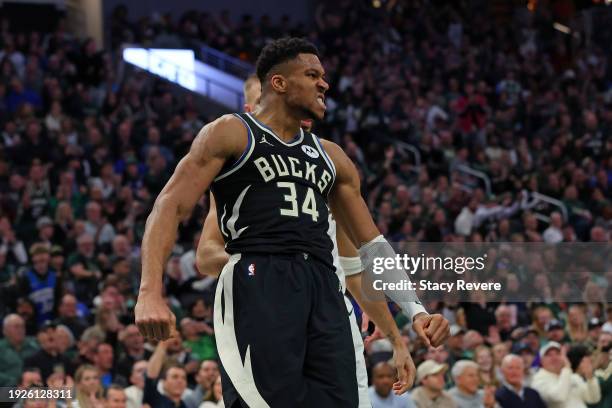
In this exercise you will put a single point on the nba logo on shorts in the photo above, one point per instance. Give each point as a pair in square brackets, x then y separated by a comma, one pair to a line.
[252, 269]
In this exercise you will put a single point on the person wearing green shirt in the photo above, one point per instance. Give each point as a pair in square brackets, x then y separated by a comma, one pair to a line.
[15, 347]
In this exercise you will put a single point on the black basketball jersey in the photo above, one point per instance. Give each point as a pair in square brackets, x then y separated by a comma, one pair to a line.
[273, 199]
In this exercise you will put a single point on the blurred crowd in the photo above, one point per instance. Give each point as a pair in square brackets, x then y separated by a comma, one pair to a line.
[488, 85]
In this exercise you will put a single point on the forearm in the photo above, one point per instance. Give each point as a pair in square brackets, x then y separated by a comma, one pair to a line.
[156, 361]
[159, 237]
[378, 311]
[211, 258]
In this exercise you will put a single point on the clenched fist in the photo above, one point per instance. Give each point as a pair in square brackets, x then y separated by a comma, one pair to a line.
[154, 318]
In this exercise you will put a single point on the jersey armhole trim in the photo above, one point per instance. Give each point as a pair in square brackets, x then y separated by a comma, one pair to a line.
[245, 155]
[327, 159]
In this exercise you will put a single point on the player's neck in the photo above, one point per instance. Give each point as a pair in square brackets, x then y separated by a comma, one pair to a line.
[283, 122]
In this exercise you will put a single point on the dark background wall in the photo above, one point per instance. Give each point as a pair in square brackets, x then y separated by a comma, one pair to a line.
[299, 10]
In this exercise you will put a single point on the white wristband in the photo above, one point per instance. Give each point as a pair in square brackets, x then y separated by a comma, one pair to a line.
[351, 265]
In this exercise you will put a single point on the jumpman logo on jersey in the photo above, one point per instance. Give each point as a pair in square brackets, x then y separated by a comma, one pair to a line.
[263, 140]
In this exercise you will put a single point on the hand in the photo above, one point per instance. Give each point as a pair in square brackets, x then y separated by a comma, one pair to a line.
[586, 368]
[406, 371]
[154, 318]
[433, 330]
[489, 396]
[377, 335]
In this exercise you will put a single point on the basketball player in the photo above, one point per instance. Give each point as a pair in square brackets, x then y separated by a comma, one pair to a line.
[279, 309]
[211, 257]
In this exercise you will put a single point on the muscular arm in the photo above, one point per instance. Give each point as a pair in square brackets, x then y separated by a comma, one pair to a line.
[347, 206]
[217, 141]
[211, 255]
[378, 311]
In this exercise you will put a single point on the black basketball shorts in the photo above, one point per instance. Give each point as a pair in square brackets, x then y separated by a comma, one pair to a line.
[283, 334]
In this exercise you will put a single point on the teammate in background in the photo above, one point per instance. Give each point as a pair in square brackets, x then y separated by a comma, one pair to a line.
[273, 213]
[211, 257]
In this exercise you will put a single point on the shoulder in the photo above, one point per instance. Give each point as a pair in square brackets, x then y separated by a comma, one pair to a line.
[222, 137]
[345, 169]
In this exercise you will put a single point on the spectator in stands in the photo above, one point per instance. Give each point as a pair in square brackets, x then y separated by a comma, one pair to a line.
[133, 350]
[504, 321]
[48, 357]
[466, 393]
[214, 397]
[85, 269]
[40, 283]
[555, 331]
[486, 368]
[430, 391]
[206, 377]
[115, 397]
[15, 347]
[135, 391]
[557, 383]
[104, 363]
[554, 233]
[174, 376]
[513, 392]
[89, 390]
[30, 377]
[381, 395]
[68, 315]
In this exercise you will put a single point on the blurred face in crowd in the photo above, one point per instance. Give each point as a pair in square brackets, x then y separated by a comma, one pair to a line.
[468, 380]
[556, 334]
[121, 246]
[217, 389]
[484, 359]
[138, 372]
[132, 339]
[575, 316]
[499, 352]
[438, 354]
[503, 315]
[14, 329]
[30, 378]
[513, 370]
[68, 306]
[207, 374]
[104, 357]
[89, 382]
[46, 339]
[553, 361]
[543, 316]
[383, 378]
[41, 262]
[116, 398]
[63, 339]
[434, 382]
[175, 382]
[86, 245]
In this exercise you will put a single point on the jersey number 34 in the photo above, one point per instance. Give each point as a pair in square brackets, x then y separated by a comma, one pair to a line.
[309, 206]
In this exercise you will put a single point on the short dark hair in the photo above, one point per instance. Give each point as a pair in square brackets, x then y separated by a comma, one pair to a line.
[169, 366]
[282, 50]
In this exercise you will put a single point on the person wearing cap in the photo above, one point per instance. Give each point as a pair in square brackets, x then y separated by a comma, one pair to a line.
[555, 331]
[514, 392]
[558, 386]
[595, 326]
[44, 225]
[466, 393]
[430, 391]
[381, 395]
[40, 283]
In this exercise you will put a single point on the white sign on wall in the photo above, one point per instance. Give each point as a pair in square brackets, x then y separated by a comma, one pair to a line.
[175, 65]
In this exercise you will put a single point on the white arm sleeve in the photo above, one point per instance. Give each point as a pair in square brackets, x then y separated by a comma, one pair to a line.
[378, 248]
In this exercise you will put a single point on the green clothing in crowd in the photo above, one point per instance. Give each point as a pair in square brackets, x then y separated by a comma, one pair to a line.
[11, 360]
[202, 349]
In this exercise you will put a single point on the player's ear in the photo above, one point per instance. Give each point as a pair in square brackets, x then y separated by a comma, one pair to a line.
[247, 108]
[279, 83]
